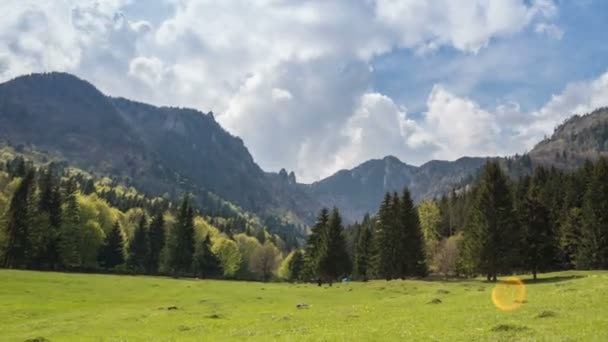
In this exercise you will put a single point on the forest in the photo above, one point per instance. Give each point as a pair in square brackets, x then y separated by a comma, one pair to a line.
[55, 217]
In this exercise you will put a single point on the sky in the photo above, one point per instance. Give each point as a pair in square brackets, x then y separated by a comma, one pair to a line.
[315, 86]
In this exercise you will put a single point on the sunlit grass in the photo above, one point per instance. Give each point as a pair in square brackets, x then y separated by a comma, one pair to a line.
[566, 306]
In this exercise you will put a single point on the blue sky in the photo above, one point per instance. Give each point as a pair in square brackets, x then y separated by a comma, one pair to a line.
[315, 86]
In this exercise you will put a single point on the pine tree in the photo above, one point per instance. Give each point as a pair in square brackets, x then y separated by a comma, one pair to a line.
[412, 243]
[363, 255]
[538, 238]
[593, 245]
[384, 242]
[334, 261]
[112, 253]
[156, 239]
[206, 264]
[139, 247]
[181, 249]
[49, 205]
[491, 239]
[315, 244]
[70, 231]
[570, 236]
[17, 252]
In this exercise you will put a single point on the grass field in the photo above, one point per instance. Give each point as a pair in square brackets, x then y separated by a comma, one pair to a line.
[566, 306]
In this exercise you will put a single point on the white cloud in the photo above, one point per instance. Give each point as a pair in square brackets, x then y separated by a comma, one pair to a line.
[149, 70]
[279, 94]
[293, 78]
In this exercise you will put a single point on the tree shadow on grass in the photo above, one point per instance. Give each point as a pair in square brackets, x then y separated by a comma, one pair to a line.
[549, 280]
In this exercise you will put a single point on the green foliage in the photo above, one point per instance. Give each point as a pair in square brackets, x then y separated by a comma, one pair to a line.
[265, 260]
[593, 245]
[112, 253]
[491, 240]
[315, 245]
[228, 253]
[539, 243]
[182, 241]
[364, 255]
[430, 222]
[205, 263]
[139, 247]
[156, 239]
[18, 248]
[333, 259]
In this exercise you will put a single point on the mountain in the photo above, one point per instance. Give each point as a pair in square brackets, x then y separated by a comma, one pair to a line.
[169, 151]
[360, 190]
[579, 138]
[157, 149]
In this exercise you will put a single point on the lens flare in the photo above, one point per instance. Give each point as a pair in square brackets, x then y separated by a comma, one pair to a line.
[509, 294]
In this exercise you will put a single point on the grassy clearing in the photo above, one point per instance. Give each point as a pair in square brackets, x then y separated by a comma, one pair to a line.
[566, 306]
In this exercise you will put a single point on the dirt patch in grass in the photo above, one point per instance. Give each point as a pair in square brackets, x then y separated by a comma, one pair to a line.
[509, 328]
[546, 314]
[435, 301]
[442, 291]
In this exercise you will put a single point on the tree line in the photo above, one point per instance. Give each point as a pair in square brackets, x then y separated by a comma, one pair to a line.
[389, 246]
[55, 221]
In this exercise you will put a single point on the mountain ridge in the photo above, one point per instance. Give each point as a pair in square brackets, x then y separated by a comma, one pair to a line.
[173, 150]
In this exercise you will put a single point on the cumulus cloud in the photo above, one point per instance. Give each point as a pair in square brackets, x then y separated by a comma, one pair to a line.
[292, 78]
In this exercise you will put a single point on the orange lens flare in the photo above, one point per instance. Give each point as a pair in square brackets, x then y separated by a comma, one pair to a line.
[509, 294]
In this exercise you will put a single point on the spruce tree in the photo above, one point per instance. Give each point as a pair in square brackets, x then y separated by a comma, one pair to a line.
[17, 252]
[363, 255]
[156, 239]
[181, 249]
[412, 257]
[384, 242]
[593, 245]
[315, 244]
[490, 239]
[112, 253]
[70, 231]
[334, 261]
[206, 264]
[139, 246]
[49, 205]
[539, 244]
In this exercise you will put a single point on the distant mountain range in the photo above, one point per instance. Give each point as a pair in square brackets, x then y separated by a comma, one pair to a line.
[166, 150]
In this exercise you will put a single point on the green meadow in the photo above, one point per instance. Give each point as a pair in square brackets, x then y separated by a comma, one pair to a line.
[565, 306]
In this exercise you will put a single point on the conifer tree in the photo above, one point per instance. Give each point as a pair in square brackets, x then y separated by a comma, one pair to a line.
[491, 239]
[49, 205]
[139, 246]
[70, 231]
[112, 253]
[206, 264]
[17, 252]
[363, 255]
[181, 249]
[156, 239]
[384, 243]
[315, 244]
[334, 261]
[593, 245]
[538, 238]
[412, 257]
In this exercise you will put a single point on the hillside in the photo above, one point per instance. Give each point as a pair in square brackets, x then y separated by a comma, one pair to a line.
[160, 150]
[580, 138]
[358, 191]
[169, 151]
